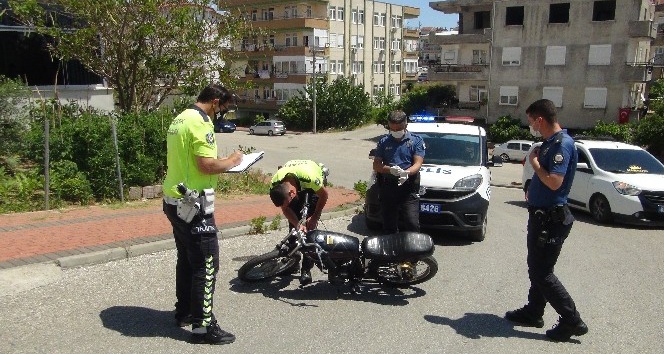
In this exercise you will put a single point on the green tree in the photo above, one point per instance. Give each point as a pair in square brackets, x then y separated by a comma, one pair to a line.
[339, 104]
[383, 105]
[507, 128]
[415, 101]
[145, 49]
[422, 98]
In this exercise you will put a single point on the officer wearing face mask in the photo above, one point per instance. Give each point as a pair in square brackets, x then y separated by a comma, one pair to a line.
[399, 156]
[192, 160]
[549, 223]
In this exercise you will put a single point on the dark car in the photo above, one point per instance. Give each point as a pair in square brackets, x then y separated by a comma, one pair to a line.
[224, 126]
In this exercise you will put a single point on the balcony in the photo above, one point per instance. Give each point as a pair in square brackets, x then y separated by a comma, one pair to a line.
[409, 54]
[458, 72]
[267, 78]
[642, 29]
[637, 72]
[259, 103]
[284, 23]
[411, 33]
[463, 38]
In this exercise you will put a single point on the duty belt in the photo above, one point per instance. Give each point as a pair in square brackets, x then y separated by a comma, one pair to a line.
[555, 213]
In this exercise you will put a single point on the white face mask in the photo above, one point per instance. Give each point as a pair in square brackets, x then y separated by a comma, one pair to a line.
[398, 134]
[534, 132]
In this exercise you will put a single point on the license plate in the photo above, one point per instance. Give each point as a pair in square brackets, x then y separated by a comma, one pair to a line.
[430, 208]
[660, 209]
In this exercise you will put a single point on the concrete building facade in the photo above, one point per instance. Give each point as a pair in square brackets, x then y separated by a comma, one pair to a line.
[593, 59]
[363, 39]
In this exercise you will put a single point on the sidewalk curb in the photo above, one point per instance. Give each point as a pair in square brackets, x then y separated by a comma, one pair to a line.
[119, 253]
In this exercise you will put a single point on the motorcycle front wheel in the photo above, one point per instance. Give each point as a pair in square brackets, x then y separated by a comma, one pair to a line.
[404, 274]
[267, 266]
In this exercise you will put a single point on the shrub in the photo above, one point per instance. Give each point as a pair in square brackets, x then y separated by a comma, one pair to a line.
[21, 192]
[361, 187]
[13, 120]
[619, 132]
[649, 133]
[69, 184]
[85, 138]
[507, 128]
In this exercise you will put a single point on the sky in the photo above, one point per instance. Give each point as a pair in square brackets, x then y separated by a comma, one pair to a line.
[428, 16]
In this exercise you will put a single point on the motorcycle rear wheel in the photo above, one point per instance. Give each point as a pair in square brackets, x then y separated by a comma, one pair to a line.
[404, 274]
[267, 266]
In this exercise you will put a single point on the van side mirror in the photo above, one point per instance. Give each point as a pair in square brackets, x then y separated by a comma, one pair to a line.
[583, 167]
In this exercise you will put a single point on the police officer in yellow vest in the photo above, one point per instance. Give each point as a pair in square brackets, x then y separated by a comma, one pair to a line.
[193, 163]
[289, 185]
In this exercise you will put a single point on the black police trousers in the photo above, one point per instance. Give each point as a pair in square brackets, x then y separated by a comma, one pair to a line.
[196, 268]
[542, 257]
[399, 204]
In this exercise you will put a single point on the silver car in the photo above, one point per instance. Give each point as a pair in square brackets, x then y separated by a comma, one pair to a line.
[269, 127]
[514, 150]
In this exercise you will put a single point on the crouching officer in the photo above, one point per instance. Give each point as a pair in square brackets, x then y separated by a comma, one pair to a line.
[549, 224]
[193, 165]
[399, 156]
[290, 184]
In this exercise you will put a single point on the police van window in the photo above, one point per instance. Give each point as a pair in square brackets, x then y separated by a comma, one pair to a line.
[451, 149]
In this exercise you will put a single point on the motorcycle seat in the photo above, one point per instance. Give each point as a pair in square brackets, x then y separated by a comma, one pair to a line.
[399, 246]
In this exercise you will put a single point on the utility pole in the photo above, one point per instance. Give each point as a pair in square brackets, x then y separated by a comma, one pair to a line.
[314, 85]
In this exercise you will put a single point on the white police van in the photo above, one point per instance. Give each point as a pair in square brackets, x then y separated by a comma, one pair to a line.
[454, 179]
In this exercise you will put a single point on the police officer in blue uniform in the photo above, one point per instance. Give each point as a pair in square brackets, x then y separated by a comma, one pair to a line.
[549, 224]
[399, 156]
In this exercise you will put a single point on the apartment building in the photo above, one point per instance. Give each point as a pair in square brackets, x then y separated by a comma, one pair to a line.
[363, 39]
[593, 59]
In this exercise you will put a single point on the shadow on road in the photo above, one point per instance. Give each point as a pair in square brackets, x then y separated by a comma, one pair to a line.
[135, 321]
[479, 325]
[279, 289]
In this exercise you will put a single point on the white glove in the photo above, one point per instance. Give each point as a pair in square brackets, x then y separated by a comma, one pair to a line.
[396, 170]
[403, 177]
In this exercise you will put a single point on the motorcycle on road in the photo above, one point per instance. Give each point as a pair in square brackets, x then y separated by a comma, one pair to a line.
[399, 260]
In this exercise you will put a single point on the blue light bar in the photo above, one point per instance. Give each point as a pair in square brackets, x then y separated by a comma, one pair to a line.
[417, 118]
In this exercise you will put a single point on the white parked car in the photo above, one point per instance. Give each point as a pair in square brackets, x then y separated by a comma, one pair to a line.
[614, 181]
[269, 127]
[514, 150]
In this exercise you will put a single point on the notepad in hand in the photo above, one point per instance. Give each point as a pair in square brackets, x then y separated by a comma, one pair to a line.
[247, 161]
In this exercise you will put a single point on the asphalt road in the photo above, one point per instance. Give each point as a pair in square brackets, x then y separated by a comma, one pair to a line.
[614, 273]
[346, 154]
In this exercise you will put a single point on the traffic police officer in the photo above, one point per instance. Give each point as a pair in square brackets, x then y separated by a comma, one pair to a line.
[290, 184]
[397, 161]
[192, 160]
[549, 224]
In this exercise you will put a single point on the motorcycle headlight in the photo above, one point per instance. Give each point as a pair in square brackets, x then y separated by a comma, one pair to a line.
[469, 183]
[626, 188]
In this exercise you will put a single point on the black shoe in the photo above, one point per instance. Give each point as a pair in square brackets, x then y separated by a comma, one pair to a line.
[183, 321]
[563, 330]
[214, 335]
[525, 318]
[305, 277]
